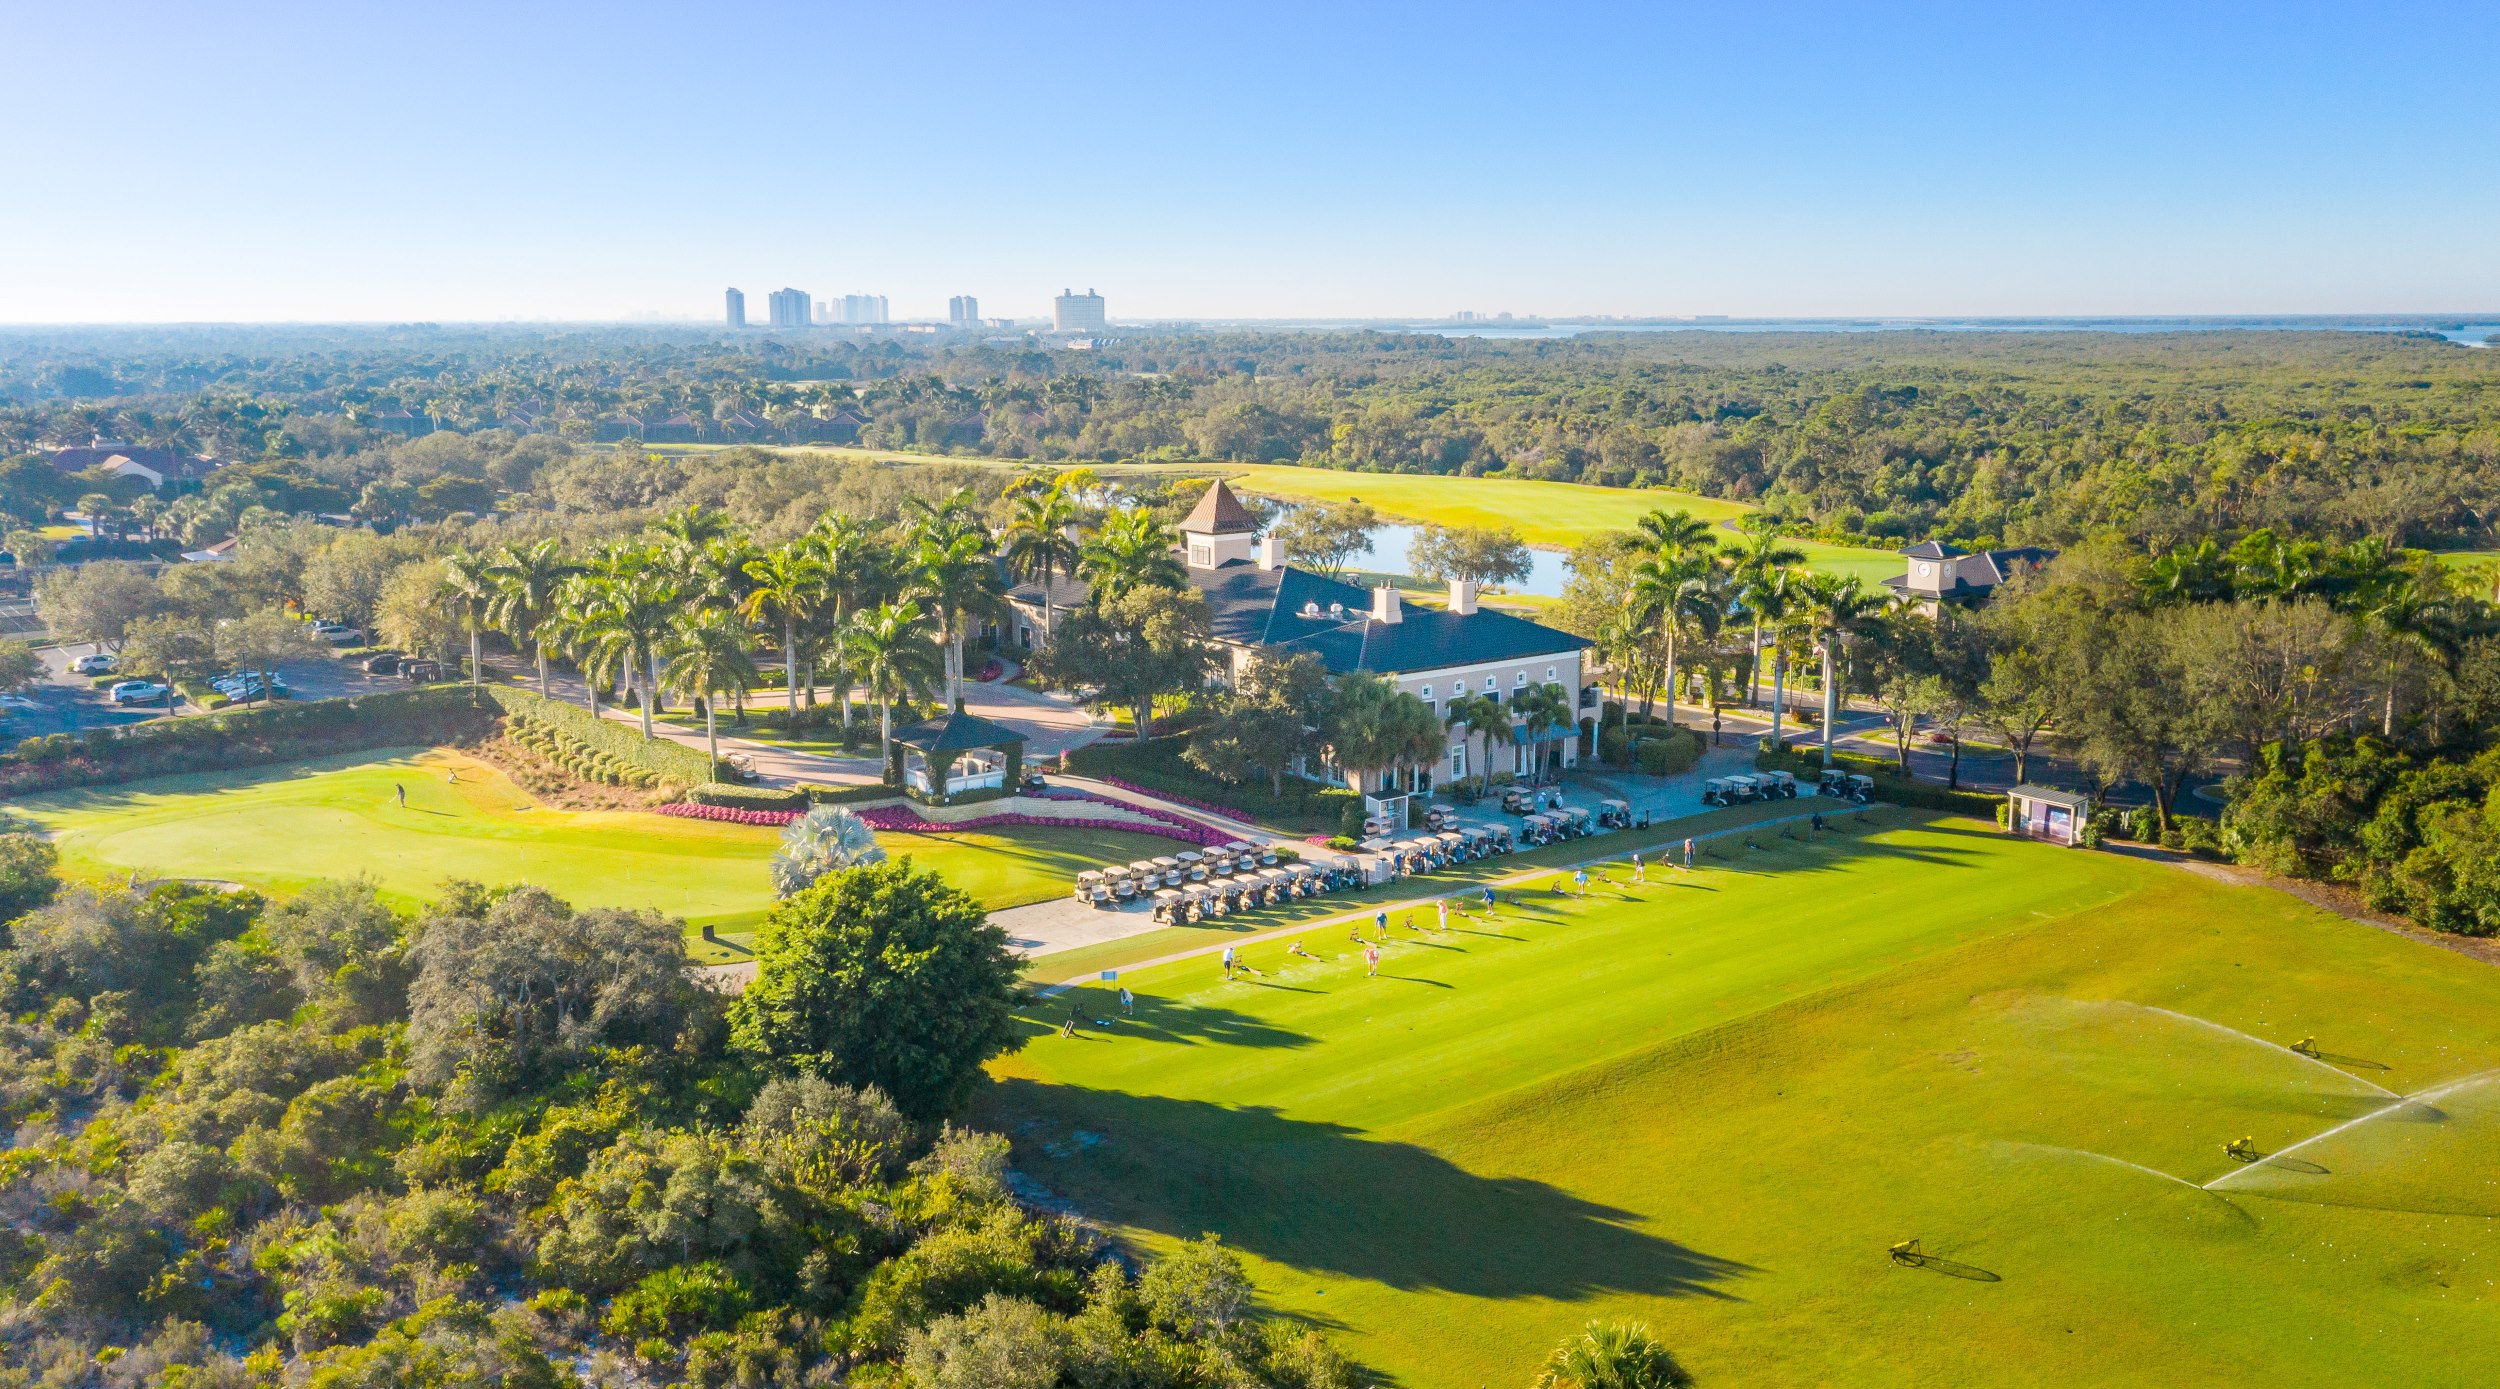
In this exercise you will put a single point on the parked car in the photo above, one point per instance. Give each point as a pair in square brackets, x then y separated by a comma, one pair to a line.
[136, 692]
[95, 664]
[17, 701]
[385, 664]
[342, 636]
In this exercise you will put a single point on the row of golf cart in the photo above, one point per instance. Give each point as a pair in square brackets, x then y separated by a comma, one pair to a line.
[1109, 887]
[1259, 887]
[1424, 853]
[1778, 786]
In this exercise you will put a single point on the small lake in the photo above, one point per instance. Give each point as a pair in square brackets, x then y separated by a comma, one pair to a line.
[1547, 572]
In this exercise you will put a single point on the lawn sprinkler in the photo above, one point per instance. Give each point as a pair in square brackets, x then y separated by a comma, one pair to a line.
[2242, 1150]
[2307, 1046]
[1906, 1252]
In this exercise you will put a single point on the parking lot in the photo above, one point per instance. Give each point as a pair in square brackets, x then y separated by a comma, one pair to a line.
[67, 702]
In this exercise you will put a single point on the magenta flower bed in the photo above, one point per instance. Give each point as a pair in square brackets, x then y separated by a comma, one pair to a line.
[729, 814]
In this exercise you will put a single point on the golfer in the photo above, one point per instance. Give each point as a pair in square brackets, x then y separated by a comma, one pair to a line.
[401, 792]
[1128, 1001]
[1380, 922]
[1580, 880]
[1228, 962]
[1488, 897]
[1371, 961]
[1688, 852]
[1444, 905]
[1640, 870]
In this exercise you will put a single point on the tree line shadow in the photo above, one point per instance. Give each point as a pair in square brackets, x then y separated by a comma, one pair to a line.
[1322, 1196]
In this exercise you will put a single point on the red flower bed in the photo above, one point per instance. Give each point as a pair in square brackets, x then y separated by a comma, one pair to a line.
[730, 814]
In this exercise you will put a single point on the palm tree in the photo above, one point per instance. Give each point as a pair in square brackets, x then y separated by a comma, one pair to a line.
[1131, 549]
[1621, 1356]
[1480, 716]
[1662, 589]
[1759, 558]
[952, 570]
[472, 578]
[706, 656]
[1676, 532]
[1039, 547]
[1836, 607]
[1776, 600]
[1375, 727]
[886, 646]
[789, 583]
[629, 607]
[858, 573]
[1541, 708]
[527, 585]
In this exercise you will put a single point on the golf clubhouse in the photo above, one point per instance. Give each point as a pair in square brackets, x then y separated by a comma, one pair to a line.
[1261, 605]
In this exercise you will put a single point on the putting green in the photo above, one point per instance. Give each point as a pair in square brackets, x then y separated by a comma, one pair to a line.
[1714, 1103]
[283, 827]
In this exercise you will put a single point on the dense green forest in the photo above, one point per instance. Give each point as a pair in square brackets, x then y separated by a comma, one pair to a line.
[2039, 437]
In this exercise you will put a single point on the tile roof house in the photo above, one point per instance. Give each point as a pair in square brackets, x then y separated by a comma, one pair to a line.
[1261, 605]
[1937, 573]
[156, 467]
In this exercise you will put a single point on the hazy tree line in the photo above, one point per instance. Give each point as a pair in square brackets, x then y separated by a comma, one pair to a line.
[2048, 437]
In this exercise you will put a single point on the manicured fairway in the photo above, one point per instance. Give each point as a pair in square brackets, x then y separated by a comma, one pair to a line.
[281, 827]
[1714, 1103]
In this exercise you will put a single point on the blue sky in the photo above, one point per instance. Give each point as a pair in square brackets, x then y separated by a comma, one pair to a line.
[459, 162]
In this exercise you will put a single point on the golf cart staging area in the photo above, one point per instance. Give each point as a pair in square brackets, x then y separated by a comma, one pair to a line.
[2130, 1125]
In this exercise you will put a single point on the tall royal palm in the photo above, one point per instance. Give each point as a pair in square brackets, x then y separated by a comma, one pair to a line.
[1541, 709]
[1662, 591]
[707, 656]
[1040, 545]
[859, 573]
[1776, 600]
[1836, 608]
[954, 574]
[1675, 532]
[1482, 718]
[632, 606]
[887, 648]
[472, 580]
[1755, 562]
[1132, 549]
[527, 585]
[789, 585]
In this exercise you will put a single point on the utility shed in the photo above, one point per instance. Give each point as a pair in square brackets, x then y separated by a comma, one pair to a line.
[2044, 812]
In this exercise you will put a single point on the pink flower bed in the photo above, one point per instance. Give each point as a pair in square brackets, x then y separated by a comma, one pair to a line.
[729, 814]
[904, 820]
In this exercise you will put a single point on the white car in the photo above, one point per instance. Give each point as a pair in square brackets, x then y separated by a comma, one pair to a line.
[96, 664]
[17, 701]
[136, 692]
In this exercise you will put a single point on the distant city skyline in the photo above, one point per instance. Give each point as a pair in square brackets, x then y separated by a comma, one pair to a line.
[1656, 160]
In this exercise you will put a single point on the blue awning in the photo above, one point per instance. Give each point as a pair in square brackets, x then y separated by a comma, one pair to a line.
[1521, 737]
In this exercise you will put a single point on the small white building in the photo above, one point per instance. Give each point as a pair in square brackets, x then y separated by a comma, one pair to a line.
[1262, 605]
[2044, 812]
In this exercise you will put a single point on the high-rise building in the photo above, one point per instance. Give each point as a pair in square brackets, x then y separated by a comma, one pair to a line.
[788, 308]
[1077, 313]
[737, 309]
[862, 308]
[963, 311]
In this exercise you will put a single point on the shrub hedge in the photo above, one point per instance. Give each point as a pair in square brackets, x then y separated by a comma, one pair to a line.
[241, 738]
[667, 761]
[1669, 754]
[1156, 764]
[747, 797]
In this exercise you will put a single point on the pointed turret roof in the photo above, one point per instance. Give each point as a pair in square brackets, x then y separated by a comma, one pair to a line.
[1219, 512]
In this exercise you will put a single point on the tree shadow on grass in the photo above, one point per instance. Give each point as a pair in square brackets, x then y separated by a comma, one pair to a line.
[1156, 1019]
[1323, 1197]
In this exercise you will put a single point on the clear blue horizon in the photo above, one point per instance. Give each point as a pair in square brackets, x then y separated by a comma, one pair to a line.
[475, 163]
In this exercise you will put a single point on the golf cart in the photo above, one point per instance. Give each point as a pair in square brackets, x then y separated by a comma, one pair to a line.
[1516, 801]
[1861, 788]
[1833, 782]
[1780, 784]
[1614, 815]
[1717, 791]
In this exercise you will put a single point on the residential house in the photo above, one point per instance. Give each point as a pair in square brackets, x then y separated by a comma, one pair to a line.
[1936, 573]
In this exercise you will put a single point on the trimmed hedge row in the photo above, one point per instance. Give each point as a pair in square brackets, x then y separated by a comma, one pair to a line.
[662, 758]
[587, 763]
[1156, 765]
[242, 738]
[1890, 785]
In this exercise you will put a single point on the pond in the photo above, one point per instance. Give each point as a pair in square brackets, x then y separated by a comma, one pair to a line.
[1547, 571]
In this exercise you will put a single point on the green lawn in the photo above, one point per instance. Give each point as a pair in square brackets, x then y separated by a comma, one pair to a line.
[282, 827]
[1713, 1103]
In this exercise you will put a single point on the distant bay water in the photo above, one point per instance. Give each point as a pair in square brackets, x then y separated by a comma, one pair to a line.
[2477, 331]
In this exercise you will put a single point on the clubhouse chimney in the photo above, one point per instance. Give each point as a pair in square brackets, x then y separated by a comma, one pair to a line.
[1271, 552]
[1386, 606]
[1462, 596]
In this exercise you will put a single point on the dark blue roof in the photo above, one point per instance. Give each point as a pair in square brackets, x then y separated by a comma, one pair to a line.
[1288, 609]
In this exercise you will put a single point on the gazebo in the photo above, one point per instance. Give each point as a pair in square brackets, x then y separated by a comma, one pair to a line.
[943, 742]
[2044, 812]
